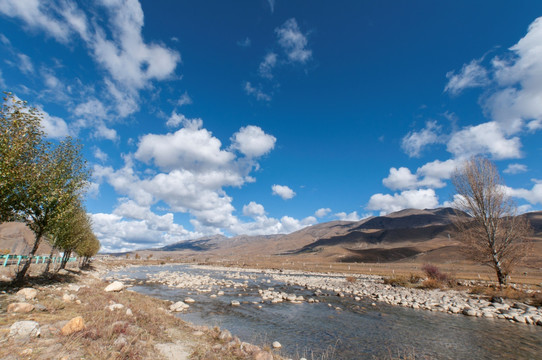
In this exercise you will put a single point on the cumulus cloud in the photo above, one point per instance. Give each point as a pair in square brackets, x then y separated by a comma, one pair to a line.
[191, 147]
[532, 196]
[515, 169]
[322, 212]
[177, 119]
[253, 209]
[252, 141]
[293, 42]
[100, 155]
[414, 142]
[283, 191]
[353, 216]
[416, 199]
[486, 138]
[471, 75]
[431, 175]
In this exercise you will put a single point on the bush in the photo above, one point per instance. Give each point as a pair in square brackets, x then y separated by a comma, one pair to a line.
[433, 273]
[431, 284]
[350, 279]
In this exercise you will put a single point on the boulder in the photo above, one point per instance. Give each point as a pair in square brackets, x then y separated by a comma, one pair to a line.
[262, 355]
[189, 300]
[68, 298]
[178, 306]
[235, 303]
[20, 307]
[28, 293]
[24, 330]
[276, 345]
[114, 286]
[74, 325]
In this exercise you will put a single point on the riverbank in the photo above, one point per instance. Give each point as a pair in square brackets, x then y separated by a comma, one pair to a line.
[77, 315]
[373, 287]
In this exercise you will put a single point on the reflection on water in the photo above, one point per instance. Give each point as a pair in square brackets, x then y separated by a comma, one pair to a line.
[356, 331]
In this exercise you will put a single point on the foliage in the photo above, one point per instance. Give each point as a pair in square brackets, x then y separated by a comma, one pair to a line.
[40, 182]
[494, 235]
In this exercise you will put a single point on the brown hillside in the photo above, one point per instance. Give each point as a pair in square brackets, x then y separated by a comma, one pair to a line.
[16, 238]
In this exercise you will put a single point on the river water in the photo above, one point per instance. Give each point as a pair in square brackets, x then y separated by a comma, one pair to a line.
[355, 331]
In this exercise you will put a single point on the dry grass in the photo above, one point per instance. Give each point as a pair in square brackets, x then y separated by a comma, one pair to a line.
[108, 334]
[508, 292]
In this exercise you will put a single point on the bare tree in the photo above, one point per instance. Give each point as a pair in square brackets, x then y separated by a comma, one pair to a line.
[494, 235]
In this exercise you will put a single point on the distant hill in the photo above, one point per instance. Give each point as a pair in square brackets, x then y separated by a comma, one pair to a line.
[406, 235]
[16, 238]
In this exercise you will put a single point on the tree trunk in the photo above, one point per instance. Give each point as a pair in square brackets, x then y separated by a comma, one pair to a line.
[65, 259]
[19, 279]
[49, 260]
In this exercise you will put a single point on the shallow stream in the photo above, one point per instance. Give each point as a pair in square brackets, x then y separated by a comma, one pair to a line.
[355, 331]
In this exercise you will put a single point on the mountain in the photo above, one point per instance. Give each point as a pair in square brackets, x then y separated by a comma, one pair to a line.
[17, 239]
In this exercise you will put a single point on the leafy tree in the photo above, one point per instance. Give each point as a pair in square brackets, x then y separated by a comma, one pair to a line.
[494, 235]
[21, 147]
[39, 180]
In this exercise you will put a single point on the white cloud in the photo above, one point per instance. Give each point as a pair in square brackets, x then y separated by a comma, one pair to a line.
[515, 169]
[191, 147]
[519, 101]
[414, 142]
[283, 191]
[127, 58]
[267, 65]
[322, 212]
[177, 119]
[37, 15]
[25, 64]
[100, 155]
[2, 81]
[533, 196]
[293, 42]
[486, 138]
[353, 216]
[471, 75]
[253, 209]
[417, 199]
[428, 175]
[256, 92]
[184, 100]
[252, 141]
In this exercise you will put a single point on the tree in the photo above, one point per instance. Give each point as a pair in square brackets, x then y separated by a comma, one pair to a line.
[21, 146]
[494, 235]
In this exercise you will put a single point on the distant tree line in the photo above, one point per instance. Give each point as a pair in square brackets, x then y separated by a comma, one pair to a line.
[43, 183]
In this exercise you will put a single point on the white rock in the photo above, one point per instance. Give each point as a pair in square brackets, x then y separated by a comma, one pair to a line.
[114, 307]
[28, 293]
[235, 303]
[114, 286]
[276, 345]
[24, 329]
[189, 300]
[178, 306]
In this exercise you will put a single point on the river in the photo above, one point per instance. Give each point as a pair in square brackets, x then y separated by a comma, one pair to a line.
[341, 328]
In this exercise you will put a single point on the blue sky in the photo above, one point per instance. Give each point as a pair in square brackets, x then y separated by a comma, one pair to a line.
[265, 116]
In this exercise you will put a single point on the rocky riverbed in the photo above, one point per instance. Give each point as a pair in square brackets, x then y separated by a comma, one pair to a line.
[359, 287]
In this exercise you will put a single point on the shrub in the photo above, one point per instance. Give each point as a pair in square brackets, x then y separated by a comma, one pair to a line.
[350, 279]
[431, 284]
[433, 273]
